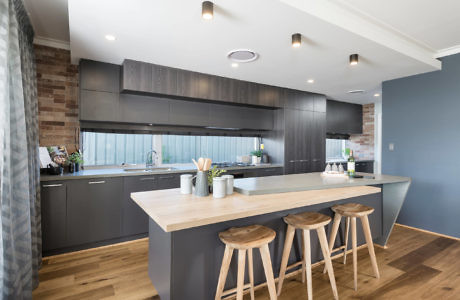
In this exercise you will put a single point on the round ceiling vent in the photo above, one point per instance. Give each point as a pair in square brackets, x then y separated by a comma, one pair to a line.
[242, 55]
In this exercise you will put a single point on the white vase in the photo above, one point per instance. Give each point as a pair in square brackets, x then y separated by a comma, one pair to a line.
[255, 160]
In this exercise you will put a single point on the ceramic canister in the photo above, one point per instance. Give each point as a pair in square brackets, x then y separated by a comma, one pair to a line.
[229, 179]
[186, 183]
[219, 187]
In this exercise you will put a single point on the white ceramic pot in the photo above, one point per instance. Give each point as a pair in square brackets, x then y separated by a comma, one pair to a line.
[229, 182]
[255, 160]
[186, 183]
[219, 187]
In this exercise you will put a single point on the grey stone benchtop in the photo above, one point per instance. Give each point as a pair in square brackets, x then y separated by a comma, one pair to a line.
[308, 181]
[118, 172]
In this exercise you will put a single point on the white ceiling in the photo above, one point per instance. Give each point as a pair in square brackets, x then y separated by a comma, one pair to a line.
[434, 23]
[50, 18]
[172, 33]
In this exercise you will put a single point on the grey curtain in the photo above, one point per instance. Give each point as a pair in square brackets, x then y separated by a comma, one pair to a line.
[20, 234]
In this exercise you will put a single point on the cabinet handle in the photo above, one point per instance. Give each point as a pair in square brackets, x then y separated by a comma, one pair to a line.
[96, 182]
[148, 178]
[166, 177]
[291, 161]
[52, 185]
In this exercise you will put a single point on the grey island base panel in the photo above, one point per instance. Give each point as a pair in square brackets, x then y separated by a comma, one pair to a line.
[185, 264]
[394, 190]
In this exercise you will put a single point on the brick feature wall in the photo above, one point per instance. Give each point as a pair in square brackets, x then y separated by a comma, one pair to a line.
[57, 86]
[363, 144]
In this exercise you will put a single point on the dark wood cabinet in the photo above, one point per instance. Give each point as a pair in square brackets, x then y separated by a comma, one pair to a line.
[99, 76]
[188, 113]
[143, 109]
[168, 181]
[344, 118]
[304, 141]
[134, 219]
[53, 215]
[318, 144]
[99, 106]
[94, 210]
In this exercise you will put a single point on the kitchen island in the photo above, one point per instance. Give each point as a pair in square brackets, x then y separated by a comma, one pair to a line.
[185, 252]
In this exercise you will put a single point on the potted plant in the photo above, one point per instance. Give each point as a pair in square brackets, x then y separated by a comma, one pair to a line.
[75, 160]
[214, 172]
[256, 156]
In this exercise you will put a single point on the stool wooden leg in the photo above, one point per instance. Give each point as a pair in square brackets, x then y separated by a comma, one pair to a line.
[355, 254]
[286, 251]
[240, 279]
[307, 260]
[251, 272]
[347, 229]
[335, 228]
[370, 244]
[266, 261]
[327, 259]
[303, 258]
[223, 271]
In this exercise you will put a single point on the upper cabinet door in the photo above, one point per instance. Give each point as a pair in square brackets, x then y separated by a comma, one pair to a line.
[189, 113]
[319, 103]
[98, 76]
[99, 106]
[344, 118]
[143, 109]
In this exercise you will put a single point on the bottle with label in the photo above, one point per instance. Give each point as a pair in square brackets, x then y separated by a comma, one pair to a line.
[351, 165]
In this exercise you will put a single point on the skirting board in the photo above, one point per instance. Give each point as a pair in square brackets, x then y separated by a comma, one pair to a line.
[429, 232]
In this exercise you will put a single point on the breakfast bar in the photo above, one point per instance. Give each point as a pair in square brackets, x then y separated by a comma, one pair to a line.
[185, 252]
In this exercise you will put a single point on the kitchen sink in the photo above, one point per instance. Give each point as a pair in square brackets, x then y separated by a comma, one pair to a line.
[154, 169]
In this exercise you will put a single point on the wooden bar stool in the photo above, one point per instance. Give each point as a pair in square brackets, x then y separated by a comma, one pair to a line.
[245, 239]
[352, 211]
[307, 221]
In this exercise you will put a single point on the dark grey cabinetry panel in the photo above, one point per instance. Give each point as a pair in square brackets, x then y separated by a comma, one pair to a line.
[168, 181]
[143, 109]
[99, 106]
[99, 76]
[269, 172]
[319, 103]
[344, 118]
[318, 145]
[94, 210]
[365, 166]
[53, 210]
[189, 113]
[155, 79]
[135, 220]
[227, 116]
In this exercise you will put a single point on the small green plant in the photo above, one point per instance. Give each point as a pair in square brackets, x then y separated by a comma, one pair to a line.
[214, 172]
[257, 153]
[76, 158]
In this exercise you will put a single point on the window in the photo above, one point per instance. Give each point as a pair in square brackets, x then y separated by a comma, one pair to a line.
[336, 149]
[115, 148]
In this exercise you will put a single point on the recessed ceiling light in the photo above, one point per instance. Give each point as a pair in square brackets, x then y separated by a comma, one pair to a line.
[376, 95]
[110, 37]
[356, 91]
[310, 80]
[242, 55]
[234, 65]
[207, 10]
[354, 59]
[296, 40]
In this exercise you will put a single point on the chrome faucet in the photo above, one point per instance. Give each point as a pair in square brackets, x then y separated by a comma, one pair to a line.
[151, 159]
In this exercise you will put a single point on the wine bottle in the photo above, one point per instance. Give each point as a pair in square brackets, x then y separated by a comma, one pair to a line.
[351, 165]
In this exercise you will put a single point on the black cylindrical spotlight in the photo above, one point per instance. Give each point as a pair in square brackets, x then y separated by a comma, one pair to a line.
[354, 59]
[296, 40]
[207, 10]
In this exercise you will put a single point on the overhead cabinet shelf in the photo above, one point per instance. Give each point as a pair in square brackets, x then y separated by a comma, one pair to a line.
[159, 80]
[344, 118]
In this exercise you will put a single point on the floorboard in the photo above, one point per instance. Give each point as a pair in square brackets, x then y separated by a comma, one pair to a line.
[416, 265]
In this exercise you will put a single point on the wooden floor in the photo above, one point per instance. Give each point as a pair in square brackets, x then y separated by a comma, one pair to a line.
[416, 265]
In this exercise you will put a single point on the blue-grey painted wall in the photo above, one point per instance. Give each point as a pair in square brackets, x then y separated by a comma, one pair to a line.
[421, 116]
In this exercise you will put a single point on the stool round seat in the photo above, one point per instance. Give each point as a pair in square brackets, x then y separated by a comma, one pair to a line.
[307, 220]
[353, 209]
[253, 236]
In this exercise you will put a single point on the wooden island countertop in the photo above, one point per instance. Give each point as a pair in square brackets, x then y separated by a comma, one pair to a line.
[173, 211]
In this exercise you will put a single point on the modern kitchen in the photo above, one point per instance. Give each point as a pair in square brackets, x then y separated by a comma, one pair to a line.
[195, 150]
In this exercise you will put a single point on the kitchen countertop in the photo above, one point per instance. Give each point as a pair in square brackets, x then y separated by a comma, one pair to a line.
[119, 172]
[173, 211]
[331, 161]
[308, 181]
